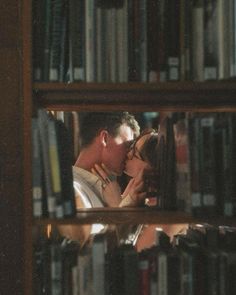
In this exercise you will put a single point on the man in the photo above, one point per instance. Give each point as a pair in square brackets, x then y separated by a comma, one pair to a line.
[105, 139]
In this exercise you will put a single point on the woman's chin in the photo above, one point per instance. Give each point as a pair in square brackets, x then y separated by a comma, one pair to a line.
[130, 173]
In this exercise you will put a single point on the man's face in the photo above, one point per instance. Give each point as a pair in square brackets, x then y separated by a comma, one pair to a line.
[114, 156]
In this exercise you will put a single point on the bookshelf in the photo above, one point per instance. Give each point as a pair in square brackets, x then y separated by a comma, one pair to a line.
[217, 96]
[19, 98]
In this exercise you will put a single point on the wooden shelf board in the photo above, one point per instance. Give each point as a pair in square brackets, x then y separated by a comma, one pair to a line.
[169, 96]
[133, 216]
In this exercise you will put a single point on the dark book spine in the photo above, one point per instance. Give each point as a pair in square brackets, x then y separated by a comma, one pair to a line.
[47, 16]
[37, 181]
[43, 120]
[197, 48]
[173, 40]
[144, 274]
[56, 268]
[194, 144]
[210, 40]
[77, 40]
[55, 169]
[38, 39]
[65, 163]
[207, 165]
[57, 44]
[183, 177]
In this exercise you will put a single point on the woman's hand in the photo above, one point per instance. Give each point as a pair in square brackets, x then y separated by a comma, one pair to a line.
[134, 193]
[111, 187]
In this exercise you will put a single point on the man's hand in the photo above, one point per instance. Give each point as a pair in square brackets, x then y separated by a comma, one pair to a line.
[111, 187]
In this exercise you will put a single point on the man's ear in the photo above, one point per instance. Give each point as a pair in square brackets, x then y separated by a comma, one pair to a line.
[104, 137]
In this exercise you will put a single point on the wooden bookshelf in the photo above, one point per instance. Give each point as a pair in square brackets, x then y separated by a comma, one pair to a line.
[19, 96]
[215, 96]
[134, 216]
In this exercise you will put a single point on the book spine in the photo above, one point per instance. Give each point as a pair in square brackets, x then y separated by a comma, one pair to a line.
[90, 40]
[207, 165]
[98, 263]
[47, 16]
[144, 274]
[194, 141]
[162, 273]
[56, 269]
[162, 41]
[55, 167]
[143, 40]
[183, 177]
[56, 39]
[210, 40]
[101, 43]
[130, 275]
[43, 131]
[186, 270]
[38, 40]
[152, 40]
[122, 42]
[77, 40]
[173, 40]
[65, 166]
[197, 41]
[36, 171]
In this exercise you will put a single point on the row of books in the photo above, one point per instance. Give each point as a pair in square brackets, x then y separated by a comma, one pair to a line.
[52, 179]
[201, 261]
[134, 40]
[197, 163]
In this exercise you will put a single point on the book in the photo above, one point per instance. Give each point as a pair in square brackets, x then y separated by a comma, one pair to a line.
[38, 39]
[65, 157]
[183, 173]
[192, 265]
[90, 41]
[173, 37]
[207, 165]
[43, 119]
[85, 271]
[194, 151]
[143, 40]
[57, 42]
[157, 40]
[122, 42]
[99, 249]
[197, 49]
[70, 275]
[56, 268]
[41, 266]
[55, 169]
[76, 40]
[37, 176]
[210, 40]
[47, 25]
[170, 199]
[144, 273]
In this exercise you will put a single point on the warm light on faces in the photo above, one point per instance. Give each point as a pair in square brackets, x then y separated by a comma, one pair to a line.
[134, 163]
[114, 156]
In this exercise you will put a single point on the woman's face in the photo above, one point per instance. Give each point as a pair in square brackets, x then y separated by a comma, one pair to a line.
[134, 163]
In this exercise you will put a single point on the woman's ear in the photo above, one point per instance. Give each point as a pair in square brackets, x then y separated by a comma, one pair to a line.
[104, 137]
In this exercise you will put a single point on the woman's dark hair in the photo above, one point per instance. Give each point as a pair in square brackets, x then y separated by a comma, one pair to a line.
[94, 122]
[149, 149]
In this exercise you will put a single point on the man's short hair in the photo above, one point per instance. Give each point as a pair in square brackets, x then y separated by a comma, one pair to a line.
[95, 122]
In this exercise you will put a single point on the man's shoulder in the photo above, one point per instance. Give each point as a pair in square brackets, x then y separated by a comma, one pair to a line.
[86, 188]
